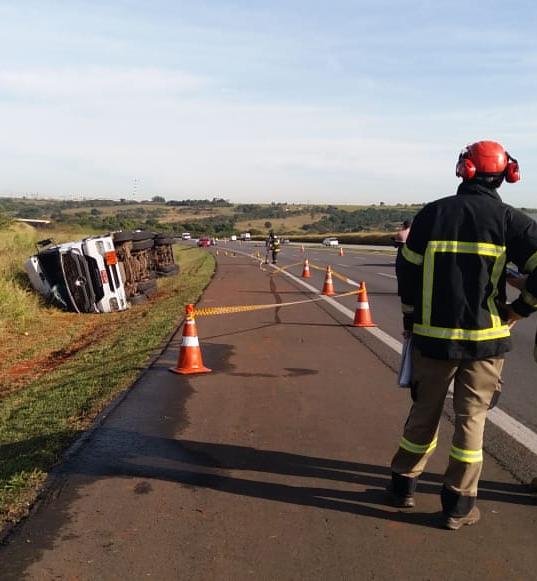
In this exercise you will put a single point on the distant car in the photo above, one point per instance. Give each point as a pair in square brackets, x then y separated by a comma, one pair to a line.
[233, 237]
[185, 236]
[204, 242]
[246, 236]
[286, 241]
[331, 242]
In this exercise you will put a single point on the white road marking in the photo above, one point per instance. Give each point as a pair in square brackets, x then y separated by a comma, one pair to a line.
[516, 430]
[386, 274]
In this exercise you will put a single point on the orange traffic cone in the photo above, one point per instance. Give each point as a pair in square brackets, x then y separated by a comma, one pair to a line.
[190, 360]
[341, 251]
[306, 272]
[328, 287]
[362, 317]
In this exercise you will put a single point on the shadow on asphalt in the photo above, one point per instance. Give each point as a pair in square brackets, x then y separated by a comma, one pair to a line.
[358, 488]
[121, 453]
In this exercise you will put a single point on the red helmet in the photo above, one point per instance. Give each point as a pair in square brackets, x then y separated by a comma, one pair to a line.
[487, 158]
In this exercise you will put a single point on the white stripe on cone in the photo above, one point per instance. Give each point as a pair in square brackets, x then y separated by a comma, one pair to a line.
[363, 306]
[190, 342]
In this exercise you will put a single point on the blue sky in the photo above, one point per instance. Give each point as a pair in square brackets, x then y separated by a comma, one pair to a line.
[350, 102]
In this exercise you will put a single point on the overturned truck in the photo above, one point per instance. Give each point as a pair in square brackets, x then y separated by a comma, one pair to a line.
[101, 274]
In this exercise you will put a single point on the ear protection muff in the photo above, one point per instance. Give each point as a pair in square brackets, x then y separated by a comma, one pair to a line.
[465, 168]
[512, 171]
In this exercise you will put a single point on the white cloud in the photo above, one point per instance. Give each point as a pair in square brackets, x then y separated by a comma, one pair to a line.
[89, 83]
[95, 129]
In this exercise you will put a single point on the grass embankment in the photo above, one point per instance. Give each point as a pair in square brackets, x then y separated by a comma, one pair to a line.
[59, 370]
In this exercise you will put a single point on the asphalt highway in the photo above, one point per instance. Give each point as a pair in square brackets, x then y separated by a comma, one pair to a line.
[272, 467]
[376, 267]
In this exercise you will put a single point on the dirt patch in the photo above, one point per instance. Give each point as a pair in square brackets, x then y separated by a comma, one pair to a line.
[22, 372]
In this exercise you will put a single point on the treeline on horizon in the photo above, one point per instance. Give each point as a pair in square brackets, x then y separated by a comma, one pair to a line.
[132, 214]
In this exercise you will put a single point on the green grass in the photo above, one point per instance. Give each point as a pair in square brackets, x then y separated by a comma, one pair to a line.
[41, 418]
[20, 306]
[17, 303]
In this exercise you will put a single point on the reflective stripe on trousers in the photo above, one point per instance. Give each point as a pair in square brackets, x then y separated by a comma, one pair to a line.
[475, 383]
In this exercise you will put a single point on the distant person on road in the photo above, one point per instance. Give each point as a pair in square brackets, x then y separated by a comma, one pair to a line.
[272, 247]
[399, 241]
[452, 281]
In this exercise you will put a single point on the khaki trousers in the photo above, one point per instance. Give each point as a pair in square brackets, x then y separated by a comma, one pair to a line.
[474, 385]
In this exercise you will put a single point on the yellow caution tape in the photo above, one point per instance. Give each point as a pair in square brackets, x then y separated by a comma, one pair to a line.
[277, 269]
[335, 274]
[211, 311]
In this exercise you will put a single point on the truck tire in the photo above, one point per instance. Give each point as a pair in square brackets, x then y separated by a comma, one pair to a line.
[142, 245]
[138, 299]
[168, 274]
[125, 236]
[151, 292]
[169, 268]
[143, 235]
[145, 285]
[163, 241]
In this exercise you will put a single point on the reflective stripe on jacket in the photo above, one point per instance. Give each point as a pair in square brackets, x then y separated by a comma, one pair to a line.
[452, 276]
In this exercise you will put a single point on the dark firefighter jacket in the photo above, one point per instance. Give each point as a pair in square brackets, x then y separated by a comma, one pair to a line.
[452, 276]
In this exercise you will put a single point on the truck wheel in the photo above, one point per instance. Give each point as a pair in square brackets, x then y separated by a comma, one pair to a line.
[143, 235]
[167, 274]
[125, 236]
[146, 285]
[138, 299]
[150, 292]
[173, 268]
[142, 245]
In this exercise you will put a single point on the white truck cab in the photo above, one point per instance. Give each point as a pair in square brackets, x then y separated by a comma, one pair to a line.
[106, 273]
[82, 276]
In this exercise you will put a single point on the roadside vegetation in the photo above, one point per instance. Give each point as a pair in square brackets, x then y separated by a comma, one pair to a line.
[219, 218]
[211, 217]
[58, 370]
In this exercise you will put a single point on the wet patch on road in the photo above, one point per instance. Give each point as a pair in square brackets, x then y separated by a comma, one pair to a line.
[143, 488]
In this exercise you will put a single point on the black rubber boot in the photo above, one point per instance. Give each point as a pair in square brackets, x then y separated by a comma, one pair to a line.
[458, 510]
[401, 490]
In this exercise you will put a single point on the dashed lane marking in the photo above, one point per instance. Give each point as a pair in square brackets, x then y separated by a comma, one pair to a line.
[386, 274]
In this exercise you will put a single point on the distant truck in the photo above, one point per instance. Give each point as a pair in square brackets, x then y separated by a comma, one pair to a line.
[245, 236]
[185, 236]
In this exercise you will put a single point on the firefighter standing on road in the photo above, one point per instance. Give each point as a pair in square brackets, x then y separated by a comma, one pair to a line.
[273, 247]
[452, 281]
